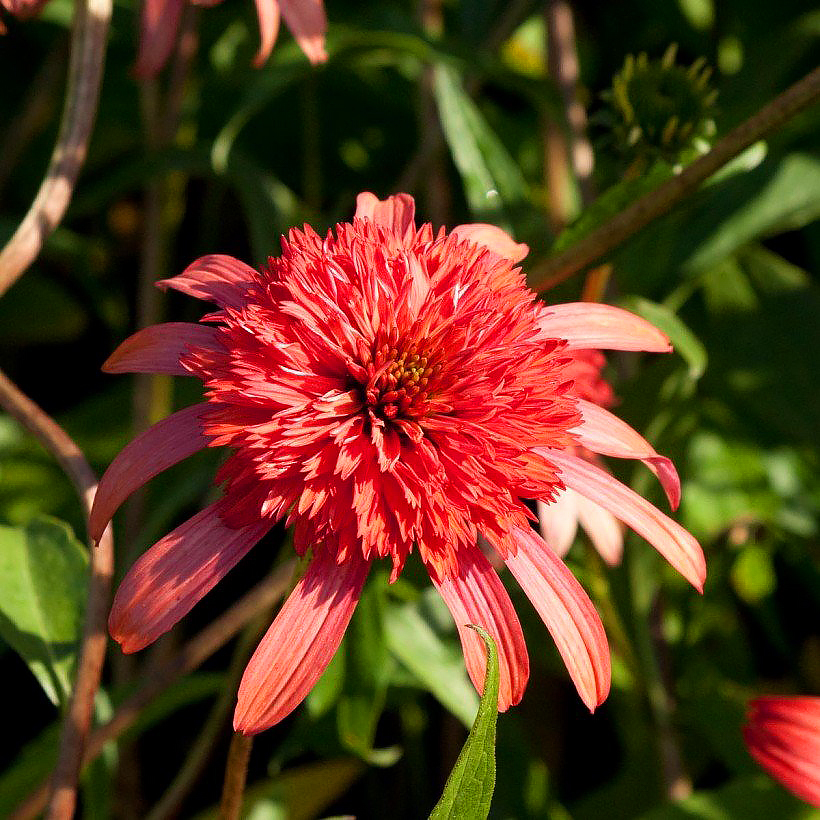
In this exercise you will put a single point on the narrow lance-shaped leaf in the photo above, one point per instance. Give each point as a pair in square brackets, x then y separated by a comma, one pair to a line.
[437, 665]
[469, 789]
[491, 178]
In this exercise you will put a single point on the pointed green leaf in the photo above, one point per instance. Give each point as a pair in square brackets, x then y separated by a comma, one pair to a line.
[438, 666]
[683, 340]
[43, 580]
[491, 178]
[469, 789]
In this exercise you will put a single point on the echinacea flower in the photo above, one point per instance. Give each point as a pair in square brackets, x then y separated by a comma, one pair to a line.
[783, 735]
[161, 19]
[559, 519]
[382, 389]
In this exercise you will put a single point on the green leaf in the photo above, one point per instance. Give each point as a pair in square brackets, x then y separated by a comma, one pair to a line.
[43, 580]
[469, 789]
[491, 178]
[368, 668]
[437, 665]
[683, 340]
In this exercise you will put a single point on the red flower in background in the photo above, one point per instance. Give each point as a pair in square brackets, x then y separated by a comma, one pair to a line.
[161, 18]
[783, 736]
[21, 8]
[383, 389]
[559, 519]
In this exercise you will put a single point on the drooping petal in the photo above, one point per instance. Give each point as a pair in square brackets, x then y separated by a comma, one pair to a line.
[158, 348]
[492, 237]
[604, 433]
[159, 25]
[602, 327]
[215, 278]
[396, 213]
[670, 539]
[307, 22]
[783, 736]
[477, 596]
[603, 530]
[567, 613]
[158, 448]
[172, 576]
[558, 521]
[268, 13]
[300, 642]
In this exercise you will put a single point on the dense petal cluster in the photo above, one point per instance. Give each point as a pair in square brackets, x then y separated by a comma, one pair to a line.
[783, 735]
[384, 389]
[161, 20]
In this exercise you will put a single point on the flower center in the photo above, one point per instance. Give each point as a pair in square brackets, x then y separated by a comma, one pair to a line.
[401, 380]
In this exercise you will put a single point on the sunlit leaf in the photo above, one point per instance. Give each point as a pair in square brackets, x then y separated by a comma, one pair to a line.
[469, 789]
[684, 341]
[438, 666]
[43, 580]
[491, 178]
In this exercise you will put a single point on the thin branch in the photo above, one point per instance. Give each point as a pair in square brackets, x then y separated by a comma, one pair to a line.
[236, 774]
[649, 207]
[188, 658]
[92, 650]
[88, 43]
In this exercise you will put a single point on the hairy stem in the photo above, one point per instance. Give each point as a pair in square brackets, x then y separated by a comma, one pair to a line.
[75, 730]
[88, 43]
[649, 207]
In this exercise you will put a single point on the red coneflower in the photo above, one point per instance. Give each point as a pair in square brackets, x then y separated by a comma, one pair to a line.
[559, 518]
[383, 388]
[161, 19]
[783, 736]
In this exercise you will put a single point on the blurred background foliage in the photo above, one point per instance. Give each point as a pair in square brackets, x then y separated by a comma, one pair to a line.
[451, 102]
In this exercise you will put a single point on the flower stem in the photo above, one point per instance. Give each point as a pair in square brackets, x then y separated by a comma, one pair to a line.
[76, 726]
[88, 42]
[562, 266]
[236, 773]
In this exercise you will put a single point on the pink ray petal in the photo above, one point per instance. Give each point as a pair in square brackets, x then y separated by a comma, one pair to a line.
[300, 642]
[477, 596]
[604, 327]
[268, 13]
[215, 278]
[494, 238]
[604, 433]
[603, 529]
[159, 26]
[670, 539]
[567, 613]
[172, 576]
[558, 521]
[396, 213]
[783, 736]
[158, 348]
[307, 21]
[161, 446]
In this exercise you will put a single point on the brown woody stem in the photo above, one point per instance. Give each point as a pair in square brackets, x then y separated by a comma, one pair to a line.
[649, 207]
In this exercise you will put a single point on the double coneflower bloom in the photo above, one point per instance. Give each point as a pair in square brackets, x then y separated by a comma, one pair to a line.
[384, 389]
